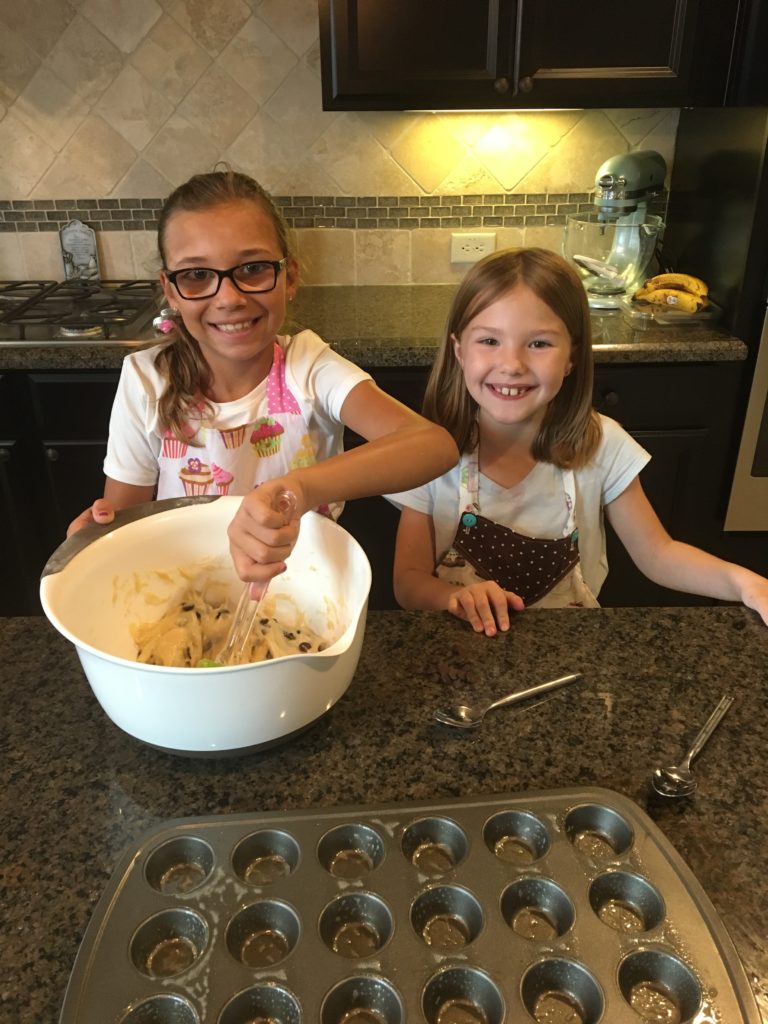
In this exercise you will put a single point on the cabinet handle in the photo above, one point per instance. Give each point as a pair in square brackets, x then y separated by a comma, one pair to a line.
[52, 454]
[611, 398]
[501, 85]
[525, 84]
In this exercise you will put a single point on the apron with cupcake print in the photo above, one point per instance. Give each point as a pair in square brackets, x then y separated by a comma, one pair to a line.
[239, 458]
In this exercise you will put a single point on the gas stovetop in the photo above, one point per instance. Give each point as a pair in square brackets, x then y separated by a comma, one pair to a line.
[79, 312]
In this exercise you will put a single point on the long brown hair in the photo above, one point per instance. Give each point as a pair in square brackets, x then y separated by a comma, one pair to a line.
[570, 431]
[181, 362]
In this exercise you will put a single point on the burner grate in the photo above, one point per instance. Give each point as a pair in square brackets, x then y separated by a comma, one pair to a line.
[76, 310]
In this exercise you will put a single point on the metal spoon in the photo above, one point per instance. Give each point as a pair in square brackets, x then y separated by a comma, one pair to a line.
[464, 717]
[677, 780]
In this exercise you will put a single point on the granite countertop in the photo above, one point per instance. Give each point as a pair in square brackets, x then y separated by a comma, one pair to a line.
[75, 791]
[401, 325]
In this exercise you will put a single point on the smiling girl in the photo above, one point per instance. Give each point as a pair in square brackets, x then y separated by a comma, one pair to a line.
[518, 523]
[227, 403]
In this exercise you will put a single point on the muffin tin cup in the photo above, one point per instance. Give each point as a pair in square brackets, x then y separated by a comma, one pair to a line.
[474, 910]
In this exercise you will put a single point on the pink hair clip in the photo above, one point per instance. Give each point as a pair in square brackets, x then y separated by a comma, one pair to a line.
[165, 322]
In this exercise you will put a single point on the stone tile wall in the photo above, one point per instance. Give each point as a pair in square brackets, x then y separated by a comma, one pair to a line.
[106, 105]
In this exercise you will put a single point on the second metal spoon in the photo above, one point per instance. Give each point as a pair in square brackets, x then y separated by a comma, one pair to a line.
[678, 780]
[463, 717]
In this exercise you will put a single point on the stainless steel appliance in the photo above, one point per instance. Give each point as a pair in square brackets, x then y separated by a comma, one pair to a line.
[44, 313]
[748, 505]
[613, 246]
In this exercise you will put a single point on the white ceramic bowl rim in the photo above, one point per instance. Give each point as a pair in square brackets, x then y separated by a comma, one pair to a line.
[332, 650]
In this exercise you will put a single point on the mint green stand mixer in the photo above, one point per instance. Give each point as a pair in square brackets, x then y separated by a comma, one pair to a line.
[612, 247]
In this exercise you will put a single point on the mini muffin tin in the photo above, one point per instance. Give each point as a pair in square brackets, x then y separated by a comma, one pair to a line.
[562, 906]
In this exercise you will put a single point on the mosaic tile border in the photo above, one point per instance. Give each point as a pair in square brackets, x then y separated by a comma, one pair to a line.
[405, 213]
[357, 212]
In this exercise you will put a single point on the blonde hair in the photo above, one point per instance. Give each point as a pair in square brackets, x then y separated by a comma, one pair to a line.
[180, 362]
[570, 431]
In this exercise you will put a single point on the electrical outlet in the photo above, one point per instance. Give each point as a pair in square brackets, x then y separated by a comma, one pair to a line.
[466, 248]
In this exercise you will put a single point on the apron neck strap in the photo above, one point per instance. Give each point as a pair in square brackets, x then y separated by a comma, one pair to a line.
[469, 488]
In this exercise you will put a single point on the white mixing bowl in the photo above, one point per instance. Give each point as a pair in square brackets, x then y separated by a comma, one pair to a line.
[129, 576]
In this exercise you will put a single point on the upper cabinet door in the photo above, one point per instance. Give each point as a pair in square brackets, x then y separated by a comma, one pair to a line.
[406, 54]
[658, 53]
[527, 54]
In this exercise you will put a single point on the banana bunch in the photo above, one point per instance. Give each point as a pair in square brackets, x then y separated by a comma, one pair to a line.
[676, 291]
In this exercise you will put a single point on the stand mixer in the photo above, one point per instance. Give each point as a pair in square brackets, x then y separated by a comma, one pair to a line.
[612, 247]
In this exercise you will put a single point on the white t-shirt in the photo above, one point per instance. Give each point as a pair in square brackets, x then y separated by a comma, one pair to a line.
[535, 507]
[319, 380]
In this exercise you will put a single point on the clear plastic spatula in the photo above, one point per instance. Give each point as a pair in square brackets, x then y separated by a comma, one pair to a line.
[248, 611]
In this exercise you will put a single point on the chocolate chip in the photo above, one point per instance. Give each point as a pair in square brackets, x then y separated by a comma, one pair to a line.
[305, 646]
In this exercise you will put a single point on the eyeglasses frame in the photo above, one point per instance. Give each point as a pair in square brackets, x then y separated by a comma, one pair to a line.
[277, 266]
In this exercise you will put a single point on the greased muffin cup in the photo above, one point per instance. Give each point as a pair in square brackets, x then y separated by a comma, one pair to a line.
[549, 906]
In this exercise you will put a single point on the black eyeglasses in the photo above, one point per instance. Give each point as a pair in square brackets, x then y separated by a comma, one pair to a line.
[204, 282]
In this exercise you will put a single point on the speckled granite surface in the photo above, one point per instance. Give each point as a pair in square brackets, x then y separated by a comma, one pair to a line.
[401, 326]
[75, 791]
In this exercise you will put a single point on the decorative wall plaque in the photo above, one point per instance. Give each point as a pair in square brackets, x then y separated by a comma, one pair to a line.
[79, 252]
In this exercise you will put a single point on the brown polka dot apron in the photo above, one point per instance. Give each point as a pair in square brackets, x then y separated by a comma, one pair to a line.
[545, 572]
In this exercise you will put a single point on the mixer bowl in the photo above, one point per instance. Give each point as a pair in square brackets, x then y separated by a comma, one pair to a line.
[615, 254]
[132, 574]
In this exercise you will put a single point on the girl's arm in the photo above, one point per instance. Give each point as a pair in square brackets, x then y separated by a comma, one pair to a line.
[116, 495]
[670, 563]
[484, 605]
[404, 450]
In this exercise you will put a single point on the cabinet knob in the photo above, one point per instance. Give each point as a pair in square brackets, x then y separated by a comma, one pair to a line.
[501, 86]
[52, 454]
[525, 84]
[611, 398]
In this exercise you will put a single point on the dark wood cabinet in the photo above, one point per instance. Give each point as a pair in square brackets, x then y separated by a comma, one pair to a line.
[513, 54]
[70, 417]
[373, 521]
[53, 438]
[685, 415]
[21, 548]
[410, 53]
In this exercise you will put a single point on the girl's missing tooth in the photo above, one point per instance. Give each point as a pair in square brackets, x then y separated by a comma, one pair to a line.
[518, 523]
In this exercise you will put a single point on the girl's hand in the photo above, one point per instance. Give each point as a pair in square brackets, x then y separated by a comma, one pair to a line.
[264, 531]
[754, 594]
[485, 606]
[100, 512]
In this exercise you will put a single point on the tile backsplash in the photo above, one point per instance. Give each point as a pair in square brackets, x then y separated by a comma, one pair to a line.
[106, 105]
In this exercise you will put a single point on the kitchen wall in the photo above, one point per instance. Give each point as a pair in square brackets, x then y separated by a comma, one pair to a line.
[106, 105]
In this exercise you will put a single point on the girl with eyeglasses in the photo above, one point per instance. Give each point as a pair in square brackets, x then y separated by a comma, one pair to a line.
[227, 405]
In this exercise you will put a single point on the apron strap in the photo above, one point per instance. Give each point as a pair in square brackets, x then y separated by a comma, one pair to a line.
[469, 492]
